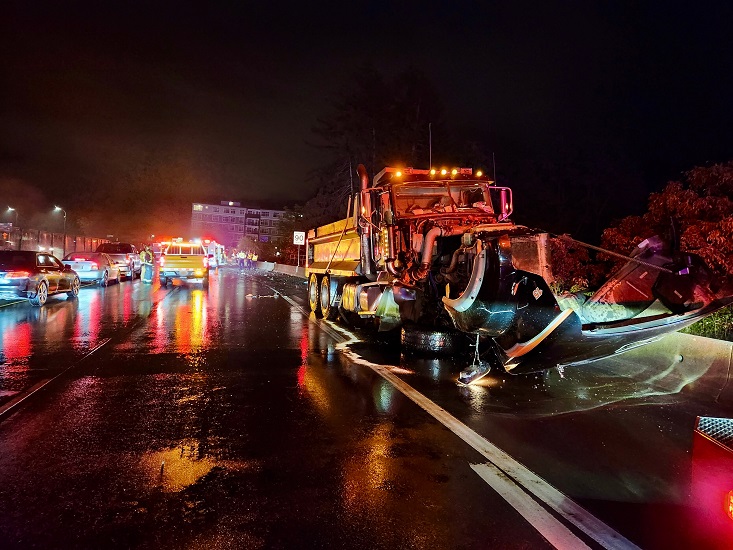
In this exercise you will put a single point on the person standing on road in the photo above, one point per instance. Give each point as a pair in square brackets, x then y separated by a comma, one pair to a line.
[240, 258]
[146, 256]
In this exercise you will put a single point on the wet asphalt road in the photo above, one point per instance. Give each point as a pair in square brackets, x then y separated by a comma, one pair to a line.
[229, 418]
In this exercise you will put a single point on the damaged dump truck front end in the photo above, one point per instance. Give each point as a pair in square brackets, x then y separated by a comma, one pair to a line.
[428, 250]
[532, 329]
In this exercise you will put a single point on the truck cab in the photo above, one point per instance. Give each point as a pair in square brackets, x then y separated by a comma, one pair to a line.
[409, 231]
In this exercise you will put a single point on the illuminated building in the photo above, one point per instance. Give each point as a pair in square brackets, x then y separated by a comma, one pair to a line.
[229, 221]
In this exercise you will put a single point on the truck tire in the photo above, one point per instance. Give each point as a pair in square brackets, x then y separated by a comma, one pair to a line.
[314, 294]
[328, 289]
[431, 341]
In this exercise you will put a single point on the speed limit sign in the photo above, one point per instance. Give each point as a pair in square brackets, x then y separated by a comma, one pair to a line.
[298, 237]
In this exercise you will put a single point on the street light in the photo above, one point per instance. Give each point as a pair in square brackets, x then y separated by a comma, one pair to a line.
[11, 209]
[57, 209]
[20, 243]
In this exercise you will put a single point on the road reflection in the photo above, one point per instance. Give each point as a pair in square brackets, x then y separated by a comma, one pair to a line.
[176, 468]
[383, 465]
[647, 375]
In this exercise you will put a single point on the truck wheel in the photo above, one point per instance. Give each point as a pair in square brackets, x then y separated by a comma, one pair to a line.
[328, 290]
[163, 282]
[349, 318]
[431, 340]
[314, 293]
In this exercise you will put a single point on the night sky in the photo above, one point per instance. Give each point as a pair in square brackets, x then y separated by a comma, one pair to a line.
[113, 109]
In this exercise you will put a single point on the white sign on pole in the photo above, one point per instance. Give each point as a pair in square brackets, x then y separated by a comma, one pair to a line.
[298, 237]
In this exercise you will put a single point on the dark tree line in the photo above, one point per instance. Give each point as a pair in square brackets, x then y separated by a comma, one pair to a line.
[695, 214]
[701, 207]
[564, 186]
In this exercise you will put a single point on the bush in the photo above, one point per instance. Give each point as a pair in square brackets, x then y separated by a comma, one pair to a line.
[719, 325]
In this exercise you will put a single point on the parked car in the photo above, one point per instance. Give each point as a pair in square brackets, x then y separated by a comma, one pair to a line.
[36, 276]
[126, 256]
[95, 267]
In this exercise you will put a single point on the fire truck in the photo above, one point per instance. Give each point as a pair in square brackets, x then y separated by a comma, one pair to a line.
[435, 253]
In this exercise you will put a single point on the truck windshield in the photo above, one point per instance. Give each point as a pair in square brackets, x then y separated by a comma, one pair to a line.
[415, 198]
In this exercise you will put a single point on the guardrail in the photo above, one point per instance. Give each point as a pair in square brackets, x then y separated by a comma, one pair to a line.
[56, 243]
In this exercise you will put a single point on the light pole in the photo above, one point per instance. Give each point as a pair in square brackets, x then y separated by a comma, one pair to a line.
[11, 209]
[57, 209]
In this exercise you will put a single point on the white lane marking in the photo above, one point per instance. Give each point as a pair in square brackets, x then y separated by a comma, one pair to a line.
[522, 476]
[548, 526]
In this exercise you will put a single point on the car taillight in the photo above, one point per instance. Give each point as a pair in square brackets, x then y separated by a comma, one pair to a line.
[17, 274]
[206, 261]
[95, 266]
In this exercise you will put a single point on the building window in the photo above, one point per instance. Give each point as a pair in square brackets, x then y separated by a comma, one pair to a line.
[197, 207]
[216, 209]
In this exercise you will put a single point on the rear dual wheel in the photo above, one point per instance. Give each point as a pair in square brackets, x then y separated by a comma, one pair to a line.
[322, 296]
[329, 288]
[314, 293]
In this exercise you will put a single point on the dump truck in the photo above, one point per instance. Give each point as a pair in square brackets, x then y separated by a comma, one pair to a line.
[436, 254]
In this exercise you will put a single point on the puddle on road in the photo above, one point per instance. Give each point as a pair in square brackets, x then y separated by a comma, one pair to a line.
[177, 468]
